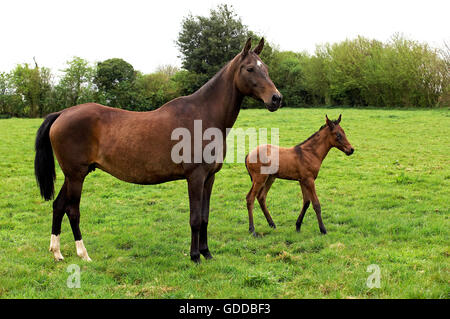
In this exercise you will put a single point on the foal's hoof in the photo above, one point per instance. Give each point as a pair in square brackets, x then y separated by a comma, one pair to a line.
[273, 225]
[206, 254]
[251, 229]
[196, 258]
[323, 231]
[297, 228]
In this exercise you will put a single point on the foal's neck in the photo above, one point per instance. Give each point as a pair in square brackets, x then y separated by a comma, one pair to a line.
[221, 99]
[318, 144]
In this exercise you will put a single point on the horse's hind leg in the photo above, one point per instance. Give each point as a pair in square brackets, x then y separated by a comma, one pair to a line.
[262, 200]
[203, 243]
[59, 208]
[74, 187]
[258, 183]
[196, 185]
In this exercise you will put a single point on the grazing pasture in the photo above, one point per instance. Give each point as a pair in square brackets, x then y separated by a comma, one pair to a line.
[387, 204]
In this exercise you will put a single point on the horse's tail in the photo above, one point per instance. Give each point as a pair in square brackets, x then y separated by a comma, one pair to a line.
[44, 162]
[247, 168]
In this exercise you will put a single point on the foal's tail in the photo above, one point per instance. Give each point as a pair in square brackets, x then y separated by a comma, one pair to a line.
[44, 163]
[247, 168]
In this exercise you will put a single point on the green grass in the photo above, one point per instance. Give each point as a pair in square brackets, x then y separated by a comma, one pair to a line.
[388, 204]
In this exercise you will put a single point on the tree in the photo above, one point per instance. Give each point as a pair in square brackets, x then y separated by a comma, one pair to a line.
[154, 90]
[10, 103]
[167, 69]
[34, 86]
[115, 79]
[207, 43]
[76, 86]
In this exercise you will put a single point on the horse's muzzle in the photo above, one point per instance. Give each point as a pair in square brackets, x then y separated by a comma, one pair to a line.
[348, 153]
[275, 103]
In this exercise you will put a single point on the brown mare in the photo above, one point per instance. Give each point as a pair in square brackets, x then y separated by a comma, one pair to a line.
[136, 146]
[301, 163]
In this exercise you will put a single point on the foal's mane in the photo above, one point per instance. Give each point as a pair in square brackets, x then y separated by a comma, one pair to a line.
[335, 122]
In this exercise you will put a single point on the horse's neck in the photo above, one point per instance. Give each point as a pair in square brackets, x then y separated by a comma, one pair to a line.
[221, 99]
[318, 145]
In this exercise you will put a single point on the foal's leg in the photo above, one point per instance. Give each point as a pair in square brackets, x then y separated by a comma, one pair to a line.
[316, 205]
[196, 184]
[59, 206]
[258, 184]
[204, 250]
[306, 202]
[262, 200]
[74, 188]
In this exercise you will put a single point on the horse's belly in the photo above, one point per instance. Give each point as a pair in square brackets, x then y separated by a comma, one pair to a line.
[134, 168]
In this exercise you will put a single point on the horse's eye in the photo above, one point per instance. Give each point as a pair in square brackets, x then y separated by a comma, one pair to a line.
[339, 136]
[250, 69]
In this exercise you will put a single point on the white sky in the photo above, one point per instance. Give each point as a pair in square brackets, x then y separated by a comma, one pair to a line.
[144, 32]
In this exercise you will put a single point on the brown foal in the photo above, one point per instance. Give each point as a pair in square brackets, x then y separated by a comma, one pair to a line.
[136, 147]
[301, 163]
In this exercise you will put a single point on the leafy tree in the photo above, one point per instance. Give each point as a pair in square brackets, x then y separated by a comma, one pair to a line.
[167, 69]
[207, 43]
[115, 79]
[154, 90]
[188, 82]
[76, 86]
[34, 86]
[10, 103]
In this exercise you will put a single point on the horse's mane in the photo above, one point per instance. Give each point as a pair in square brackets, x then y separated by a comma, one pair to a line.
[212, 81]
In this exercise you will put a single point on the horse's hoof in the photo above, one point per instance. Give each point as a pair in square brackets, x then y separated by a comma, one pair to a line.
[206, 254]
[323, 231]
[273, 225]
[196, 258]
[58, 258]
[57, 255]
[297, 228]
[251, 230]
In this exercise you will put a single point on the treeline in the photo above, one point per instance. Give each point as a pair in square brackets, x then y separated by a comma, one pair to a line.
[365, 72]
[358, 72]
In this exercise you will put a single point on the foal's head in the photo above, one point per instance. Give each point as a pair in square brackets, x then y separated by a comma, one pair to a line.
[337, 136]
[252, 77]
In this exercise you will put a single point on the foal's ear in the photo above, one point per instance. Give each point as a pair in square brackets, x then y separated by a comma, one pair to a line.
[247, 47]
[329, 123]
[339, 119]
[260, 46]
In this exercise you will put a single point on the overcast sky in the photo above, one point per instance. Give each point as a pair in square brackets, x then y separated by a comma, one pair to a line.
[144, 32]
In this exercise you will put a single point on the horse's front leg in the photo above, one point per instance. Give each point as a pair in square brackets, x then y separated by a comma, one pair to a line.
[204, 250]
[195, 188]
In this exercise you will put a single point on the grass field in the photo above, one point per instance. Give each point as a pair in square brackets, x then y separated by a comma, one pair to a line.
[388, 204]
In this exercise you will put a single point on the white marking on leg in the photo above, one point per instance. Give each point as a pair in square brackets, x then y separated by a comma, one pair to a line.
[81, 250]
[55, 247]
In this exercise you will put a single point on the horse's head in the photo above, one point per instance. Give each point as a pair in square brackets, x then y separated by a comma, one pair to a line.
[252, 78]
[337, 136]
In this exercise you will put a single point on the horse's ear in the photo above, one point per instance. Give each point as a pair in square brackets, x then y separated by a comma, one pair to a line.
[260, 46]
[339, 119]
[247, 47]
[329, 123]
